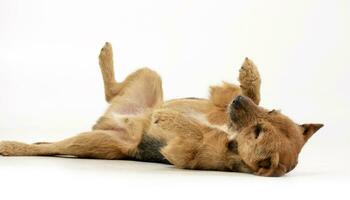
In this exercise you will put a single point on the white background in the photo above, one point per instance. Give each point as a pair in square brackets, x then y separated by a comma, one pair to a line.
[51, 88]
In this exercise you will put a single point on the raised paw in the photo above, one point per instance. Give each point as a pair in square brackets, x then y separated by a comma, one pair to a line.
[106, 55]
[250, 80]
[249, 74]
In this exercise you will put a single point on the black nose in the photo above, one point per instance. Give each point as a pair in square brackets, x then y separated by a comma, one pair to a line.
[237, 102]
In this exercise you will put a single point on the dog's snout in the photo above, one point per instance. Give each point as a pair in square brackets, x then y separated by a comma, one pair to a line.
[237, 102]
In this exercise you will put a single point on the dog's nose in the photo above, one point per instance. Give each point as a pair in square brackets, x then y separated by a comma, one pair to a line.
[237, 102]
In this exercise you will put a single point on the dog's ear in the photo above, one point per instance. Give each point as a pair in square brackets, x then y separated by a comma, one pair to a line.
[310, 129]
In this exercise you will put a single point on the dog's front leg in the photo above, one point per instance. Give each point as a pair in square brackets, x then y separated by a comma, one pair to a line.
[186, 136]
[177, 123]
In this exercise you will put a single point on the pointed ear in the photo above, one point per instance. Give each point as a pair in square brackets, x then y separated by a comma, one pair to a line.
[310, 129]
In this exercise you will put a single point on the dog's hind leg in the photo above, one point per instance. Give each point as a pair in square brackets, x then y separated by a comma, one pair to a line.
[143, 85]
[250, 80]
[136, 96]
[111, 87]
[96, 144]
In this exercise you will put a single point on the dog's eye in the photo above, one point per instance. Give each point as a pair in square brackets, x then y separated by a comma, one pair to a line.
[257, 130]
[266, 163]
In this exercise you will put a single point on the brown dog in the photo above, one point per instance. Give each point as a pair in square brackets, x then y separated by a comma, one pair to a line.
[228, 131]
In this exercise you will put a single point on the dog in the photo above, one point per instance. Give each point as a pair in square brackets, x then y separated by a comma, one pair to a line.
[229, 131]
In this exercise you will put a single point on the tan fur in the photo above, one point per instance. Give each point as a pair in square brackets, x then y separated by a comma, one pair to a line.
[211, 134]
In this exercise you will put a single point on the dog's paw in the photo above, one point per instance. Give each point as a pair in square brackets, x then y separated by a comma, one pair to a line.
[162, 117]
[106, 55]
[12, 148]
[7, 148]
[248, 74]
[165, 119]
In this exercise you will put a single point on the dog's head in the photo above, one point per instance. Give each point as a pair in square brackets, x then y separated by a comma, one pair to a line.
[268, 141]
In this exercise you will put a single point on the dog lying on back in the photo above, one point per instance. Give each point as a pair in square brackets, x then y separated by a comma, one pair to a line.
[227, 132]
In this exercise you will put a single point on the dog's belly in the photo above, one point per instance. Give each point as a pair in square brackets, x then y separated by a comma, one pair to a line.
[148, 149]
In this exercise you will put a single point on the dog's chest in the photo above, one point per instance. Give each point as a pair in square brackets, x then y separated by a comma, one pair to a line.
[203, 119]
